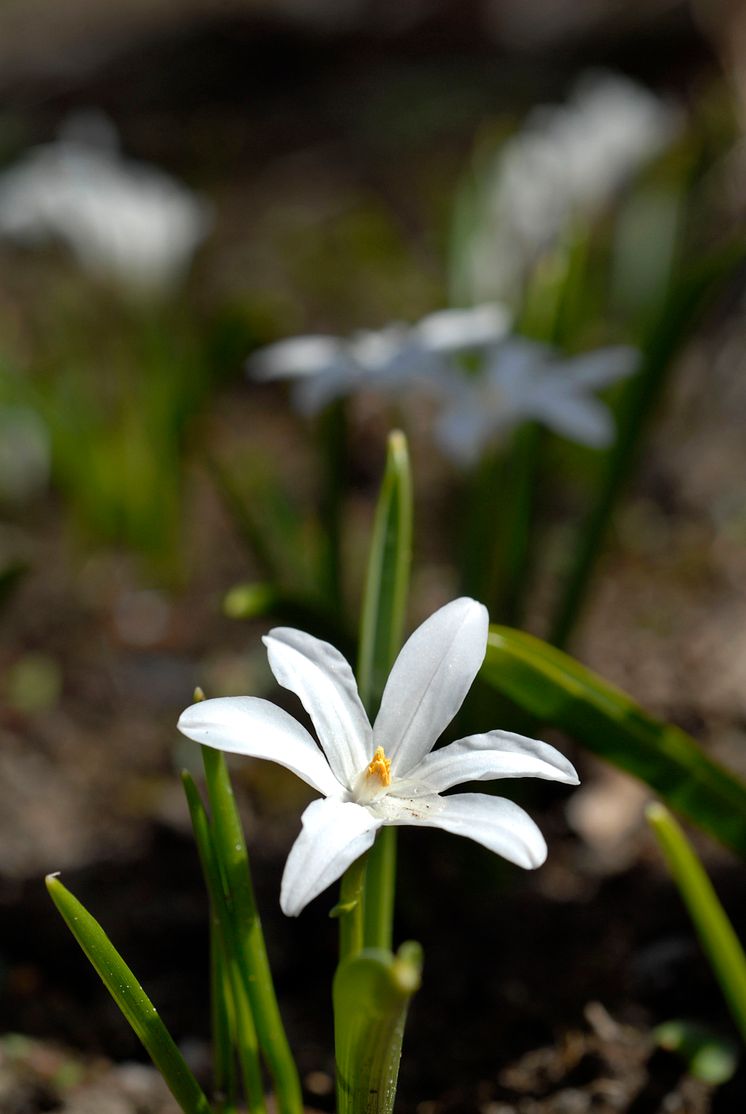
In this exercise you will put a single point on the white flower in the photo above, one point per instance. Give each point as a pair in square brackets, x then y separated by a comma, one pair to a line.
[567, 160]
[523, 381]
[388, 360]
[123, 220]
[387, 773]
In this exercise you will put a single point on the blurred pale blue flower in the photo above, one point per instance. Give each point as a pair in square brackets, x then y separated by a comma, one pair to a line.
[523, 381]
[387, 774]
[387, 361]
[124, 221]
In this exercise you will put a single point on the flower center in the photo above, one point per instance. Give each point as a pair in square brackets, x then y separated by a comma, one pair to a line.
[380, 767]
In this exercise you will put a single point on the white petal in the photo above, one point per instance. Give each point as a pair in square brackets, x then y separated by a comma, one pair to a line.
[498, 824]
[456, 330]
[334, 835]
[581, 419]
[296, 357]
[463, 430]
[322, 679]
[495, 754]
[598, 369]
[430, 678]
[258, 729]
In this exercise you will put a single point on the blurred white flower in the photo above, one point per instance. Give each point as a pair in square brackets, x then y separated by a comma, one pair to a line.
[388, 773]
[524, 381]
[387, 360]
[566, 160]
[125, 221]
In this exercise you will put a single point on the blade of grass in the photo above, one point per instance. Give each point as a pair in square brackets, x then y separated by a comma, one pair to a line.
[554, 688]
[719, 941]
[132, 1000]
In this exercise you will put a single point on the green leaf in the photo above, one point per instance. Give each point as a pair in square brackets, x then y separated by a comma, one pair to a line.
[131, 999]
[233, 1021]
[554, 688]
[719, 941]
[371, 993]
[387, 583]
[381, 630]
[233, 862]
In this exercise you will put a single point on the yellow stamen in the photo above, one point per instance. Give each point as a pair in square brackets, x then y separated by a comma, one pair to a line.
[380, 767]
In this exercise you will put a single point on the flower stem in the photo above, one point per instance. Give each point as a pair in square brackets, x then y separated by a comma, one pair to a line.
[380, 886]
[230, 847]
[350, 909]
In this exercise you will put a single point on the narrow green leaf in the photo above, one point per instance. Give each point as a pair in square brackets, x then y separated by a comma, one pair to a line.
[554, 688]
[382, 626]
[223, 1024]
[719, 941]
[232, 1017]
[233, 859]
[371, 994]
[131, 999]
[387, 583]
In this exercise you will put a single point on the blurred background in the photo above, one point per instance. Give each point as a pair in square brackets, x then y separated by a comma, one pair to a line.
[183, 183]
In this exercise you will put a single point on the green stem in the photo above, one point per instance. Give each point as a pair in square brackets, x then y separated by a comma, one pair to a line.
[231, 852]
[381, 887]
[350, 909]
[719, 941]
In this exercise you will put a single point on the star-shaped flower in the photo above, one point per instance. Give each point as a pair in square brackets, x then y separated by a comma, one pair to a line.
[387, 773]
[385, 360]
[525, 381]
